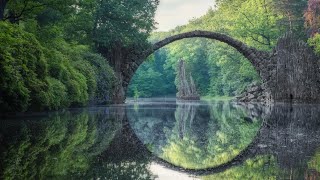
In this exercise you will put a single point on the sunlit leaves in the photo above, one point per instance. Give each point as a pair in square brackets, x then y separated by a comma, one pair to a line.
[315, 43]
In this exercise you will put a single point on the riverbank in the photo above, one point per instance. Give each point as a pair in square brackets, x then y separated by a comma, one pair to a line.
[216, 98]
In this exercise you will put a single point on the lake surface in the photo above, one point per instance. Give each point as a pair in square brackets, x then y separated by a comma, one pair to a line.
[164, 139]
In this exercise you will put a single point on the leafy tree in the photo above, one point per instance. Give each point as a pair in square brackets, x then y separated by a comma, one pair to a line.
[17, 10]
[122, 28]
[312, 23]
[23, 70]
[315, 43]
[123, 23]
[45, 69]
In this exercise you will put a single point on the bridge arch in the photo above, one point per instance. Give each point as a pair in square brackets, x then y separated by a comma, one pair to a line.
[252, 54]
[256, 58]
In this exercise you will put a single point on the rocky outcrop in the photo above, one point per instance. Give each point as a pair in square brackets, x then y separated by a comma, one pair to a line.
[294, 75]
[255, 92]
[186, 87]
[290, 74]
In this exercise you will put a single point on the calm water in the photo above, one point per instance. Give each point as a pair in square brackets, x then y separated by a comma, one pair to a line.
[164, 139]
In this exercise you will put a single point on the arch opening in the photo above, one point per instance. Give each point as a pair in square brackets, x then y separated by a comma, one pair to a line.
[251, 54]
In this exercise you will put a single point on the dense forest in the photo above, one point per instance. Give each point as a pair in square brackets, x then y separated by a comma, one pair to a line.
[56, 54]
[217, 68]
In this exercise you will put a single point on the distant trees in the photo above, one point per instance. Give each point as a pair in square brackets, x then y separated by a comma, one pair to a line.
[153, 78]
[292, 11]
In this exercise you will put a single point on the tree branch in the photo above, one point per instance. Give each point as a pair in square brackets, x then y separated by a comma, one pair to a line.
[17, 17]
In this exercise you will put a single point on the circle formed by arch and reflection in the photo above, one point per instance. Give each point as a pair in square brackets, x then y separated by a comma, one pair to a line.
[193, 135]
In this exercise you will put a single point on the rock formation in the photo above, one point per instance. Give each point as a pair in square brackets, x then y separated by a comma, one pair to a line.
[290, 74]
[186, 88]
[255, 92]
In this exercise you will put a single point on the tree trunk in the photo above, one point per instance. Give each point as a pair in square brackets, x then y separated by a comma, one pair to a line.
[116, 62]
[115, 57]
[3, 4]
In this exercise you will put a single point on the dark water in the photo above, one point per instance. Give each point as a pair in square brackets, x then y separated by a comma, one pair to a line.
[164, 139]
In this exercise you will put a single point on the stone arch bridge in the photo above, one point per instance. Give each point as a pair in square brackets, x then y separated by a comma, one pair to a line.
[290, 73]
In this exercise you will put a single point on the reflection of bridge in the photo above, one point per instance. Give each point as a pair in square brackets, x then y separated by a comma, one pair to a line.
[289, 73]
[290, 133]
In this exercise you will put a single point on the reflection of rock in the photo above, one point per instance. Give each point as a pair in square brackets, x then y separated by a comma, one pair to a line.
[254, 93]
[255, 110]
[293, 134]
[185, 114]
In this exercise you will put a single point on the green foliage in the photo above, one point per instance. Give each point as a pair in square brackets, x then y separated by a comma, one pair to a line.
[46, 64]
[21, 10]
[124, 23]
[259, 167]
[87, 76]
[55, 49]
[37, 76]
[22, 69]
[153, 78]
[314, 162]
[105, 77]
[57, 93]
[315, 43]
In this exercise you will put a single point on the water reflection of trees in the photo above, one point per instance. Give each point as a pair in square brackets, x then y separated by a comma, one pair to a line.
[54, 146]
[204, 136]
[287, 147]
[125, 158]
[200, 136]
[97, 144]
[217, 134]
